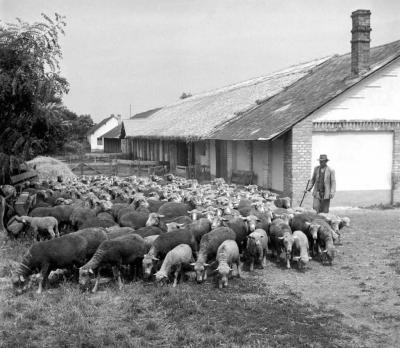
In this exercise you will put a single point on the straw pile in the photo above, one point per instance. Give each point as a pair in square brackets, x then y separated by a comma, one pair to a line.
[49, 168]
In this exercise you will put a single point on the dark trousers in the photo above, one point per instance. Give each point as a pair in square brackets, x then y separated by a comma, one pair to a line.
[321, 205]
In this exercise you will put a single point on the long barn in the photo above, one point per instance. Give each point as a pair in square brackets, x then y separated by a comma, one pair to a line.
[270, 130]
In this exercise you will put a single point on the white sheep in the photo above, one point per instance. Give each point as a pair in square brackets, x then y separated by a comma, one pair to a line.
[227, 255]
[181, 254]
[48, 223]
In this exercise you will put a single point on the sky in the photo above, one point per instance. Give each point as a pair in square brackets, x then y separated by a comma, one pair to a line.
[146, 53]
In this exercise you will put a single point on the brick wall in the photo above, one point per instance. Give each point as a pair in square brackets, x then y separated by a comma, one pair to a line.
[298, 162]
[396, 166]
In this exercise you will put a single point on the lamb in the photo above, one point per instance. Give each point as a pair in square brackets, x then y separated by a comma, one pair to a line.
[175, 258]
[300, 251]
[257, 248]
[48, 223]
[64, 252]
[166, 242]
[227, 255]
[116, 252]
[209, 244]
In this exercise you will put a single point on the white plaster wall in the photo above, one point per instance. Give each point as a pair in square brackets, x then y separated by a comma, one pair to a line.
[99, 132]
[362, 160]
[260, 162]
[242, 161]
[375, 98]
[277, 164]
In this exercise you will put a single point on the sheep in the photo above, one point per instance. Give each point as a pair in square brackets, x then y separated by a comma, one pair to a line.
[227, 255]
[94, 221]
[199, 228]
[149, 240]
[117, 231]
[156, 219]
[281, 239]
[174, 209]
[48, 223]
[209, 244]
[66, 251]
[300, 247]
[61, 212]
[134, 219]
[326, 249]
[175, 258]
[149, 231]
[166, 242]
[116, 252]
[257, 248]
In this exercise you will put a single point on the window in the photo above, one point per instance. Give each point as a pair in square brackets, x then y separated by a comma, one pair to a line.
[99, 141]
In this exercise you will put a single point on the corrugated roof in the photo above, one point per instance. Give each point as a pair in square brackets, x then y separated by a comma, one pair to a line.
[100, 124]
[281, 112]
[113, 133]
[196, 117]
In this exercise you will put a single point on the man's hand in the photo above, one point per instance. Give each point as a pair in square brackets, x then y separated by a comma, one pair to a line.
[331, 195]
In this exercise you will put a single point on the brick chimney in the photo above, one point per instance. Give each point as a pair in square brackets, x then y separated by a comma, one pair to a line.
[360, 41]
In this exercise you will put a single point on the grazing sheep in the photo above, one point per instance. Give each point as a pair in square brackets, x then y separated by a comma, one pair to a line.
[281, 239]
[149, 231]
[257, 248]
[134, 219]
[227, 255]
[64, 252]
[326, 249]
[164, 243]
[117, 231]
[126, 250]
[149, 240]
[94, 236]
[199, 228]
[48, 223]
[175, 258]
[300, 250]
[209, 244]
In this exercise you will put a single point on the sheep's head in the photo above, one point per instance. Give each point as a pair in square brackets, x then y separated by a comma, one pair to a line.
[200, 269]
[161, 277]
[223, 272]
[147, 264]
[84, 277]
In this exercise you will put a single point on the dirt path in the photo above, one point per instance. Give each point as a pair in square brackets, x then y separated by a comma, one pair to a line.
[362, 284]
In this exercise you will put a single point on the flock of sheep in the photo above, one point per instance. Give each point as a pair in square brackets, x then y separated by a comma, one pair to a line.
[160, 227]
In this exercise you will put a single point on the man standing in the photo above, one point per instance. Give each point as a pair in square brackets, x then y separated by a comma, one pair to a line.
[324, 183]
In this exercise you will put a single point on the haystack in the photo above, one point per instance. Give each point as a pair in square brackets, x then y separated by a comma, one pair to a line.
[49, 168]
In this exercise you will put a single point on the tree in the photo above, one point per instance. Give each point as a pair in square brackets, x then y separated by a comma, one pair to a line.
[31, 87]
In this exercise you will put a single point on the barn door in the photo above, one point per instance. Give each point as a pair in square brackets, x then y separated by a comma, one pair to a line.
[221, 159]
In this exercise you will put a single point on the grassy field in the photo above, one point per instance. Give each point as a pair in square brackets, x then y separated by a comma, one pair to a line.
[354, 303]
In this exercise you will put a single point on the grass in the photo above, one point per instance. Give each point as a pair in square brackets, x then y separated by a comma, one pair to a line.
[144, 315]
[268, 308]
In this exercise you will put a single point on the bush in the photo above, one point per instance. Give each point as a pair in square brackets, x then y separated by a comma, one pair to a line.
[75, 147]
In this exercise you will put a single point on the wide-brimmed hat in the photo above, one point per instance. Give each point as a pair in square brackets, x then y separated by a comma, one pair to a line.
[323, 158]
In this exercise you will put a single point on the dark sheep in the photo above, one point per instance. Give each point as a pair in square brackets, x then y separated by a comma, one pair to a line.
[199, 228]
[125, 250]
[281, 239]
[94, 236]
[96, 222]
[61, 212]
[64, 252]
[117, 231]
[134, 219]
[149, 231]
[209, 244]
[166, 242]
[172, 209]
[155, 205]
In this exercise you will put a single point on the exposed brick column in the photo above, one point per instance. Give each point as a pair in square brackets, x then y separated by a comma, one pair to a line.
[396, 167]
[298, 161]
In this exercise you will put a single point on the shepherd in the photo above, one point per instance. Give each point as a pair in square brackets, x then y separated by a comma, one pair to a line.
[324, 183]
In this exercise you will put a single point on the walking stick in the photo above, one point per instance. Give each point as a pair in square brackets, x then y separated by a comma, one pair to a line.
[305, 192]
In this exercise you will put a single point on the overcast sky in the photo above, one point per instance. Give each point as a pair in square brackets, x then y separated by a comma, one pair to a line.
[147, 52]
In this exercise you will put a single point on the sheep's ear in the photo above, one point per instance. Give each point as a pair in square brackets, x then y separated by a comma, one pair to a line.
[91, 271]
[281, 237]
[161, 216]
[206, 265]
[193, 263]
[155, 258]
[307, 224]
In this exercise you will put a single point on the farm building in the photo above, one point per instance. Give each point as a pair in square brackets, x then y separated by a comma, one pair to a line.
[112, 139]
[270, 130]
[96, 133]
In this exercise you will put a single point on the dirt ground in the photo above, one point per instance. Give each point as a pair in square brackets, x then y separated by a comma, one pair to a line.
[363, 284]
